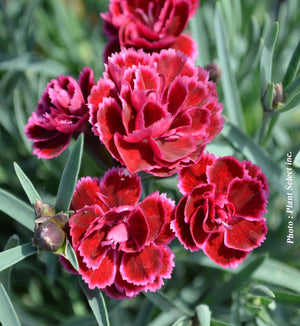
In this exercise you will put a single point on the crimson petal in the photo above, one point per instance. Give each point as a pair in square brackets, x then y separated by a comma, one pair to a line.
[136, 156]
[244, 234]
[119, 187]
[86, 194]
[223, 171]
[102, 276]
[155, 213]
[142, 267]
[52, 147]
[216, 250]
[81, 220]
[247, 197]
[138, 229]
[192, 176]
[182, 229]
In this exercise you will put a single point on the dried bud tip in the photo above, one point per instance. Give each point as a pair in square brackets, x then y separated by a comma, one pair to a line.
[214, 71]
[42, 209]
[278, 96]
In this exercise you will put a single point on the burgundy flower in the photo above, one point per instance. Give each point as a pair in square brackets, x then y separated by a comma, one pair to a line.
[121, 244]
[155, 112]
[222, 208]
[60, 114]
[149, 25]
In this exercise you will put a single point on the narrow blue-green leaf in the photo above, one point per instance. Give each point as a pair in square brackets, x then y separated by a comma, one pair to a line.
[165, 304]
[281, 274]
[215, 322]
[69, 177]
[199, 35]
[20, 119]
[293, 103]
[236, 281]
[204, 314]
[97, 304]
[231, 95]
[72, 256]
[8, 315]
[254, 153]
[278, 273]
[28, 187]
[292, 88]
[17, 209]
[288, 298]
[12, 242]
[182, 321]
[144, 314]
[14, 255]
[266, 61]
[293, 67]
[296, 161]
[262, 290]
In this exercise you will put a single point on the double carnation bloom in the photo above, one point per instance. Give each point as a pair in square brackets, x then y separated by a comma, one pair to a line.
[154, 111]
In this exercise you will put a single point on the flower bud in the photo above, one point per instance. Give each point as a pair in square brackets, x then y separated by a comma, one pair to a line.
[278, 96]
[214, 71]
[42, 209]
[48, 235]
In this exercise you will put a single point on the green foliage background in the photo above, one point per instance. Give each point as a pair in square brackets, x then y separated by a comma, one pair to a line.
[41, 39]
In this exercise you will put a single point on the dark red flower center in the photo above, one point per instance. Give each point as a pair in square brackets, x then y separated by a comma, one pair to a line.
[149, 17]
[223, 214]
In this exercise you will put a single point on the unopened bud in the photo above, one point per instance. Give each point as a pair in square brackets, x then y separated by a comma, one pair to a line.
[278, 96]
[48, 236]
[214, 71]
[42, 209]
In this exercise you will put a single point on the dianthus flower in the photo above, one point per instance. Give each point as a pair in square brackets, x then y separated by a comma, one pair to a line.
[149, 25]
[222, 208]
[121, 245]
[155, 112]
[61, 113]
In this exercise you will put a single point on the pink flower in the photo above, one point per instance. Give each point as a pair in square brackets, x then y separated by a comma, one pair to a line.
[60, 114]
[121, 244]
[222, 208]
[149, 25]
[155, 112]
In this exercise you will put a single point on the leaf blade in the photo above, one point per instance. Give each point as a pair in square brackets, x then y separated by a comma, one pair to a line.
[8, 316]
[28, 187]
[229, 84]
[14, 255]
[69, 177]
[254, 153]
[17, 209]
[267, 58]
[97, 304]
[293, 67]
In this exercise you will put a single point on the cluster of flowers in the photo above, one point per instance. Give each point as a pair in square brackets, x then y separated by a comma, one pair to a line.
[154, 111]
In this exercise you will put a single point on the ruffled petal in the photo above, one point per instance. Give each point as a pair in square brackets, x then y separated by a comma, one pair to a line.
[119, 187]
[247, 197]
[102, 276]
[244, 234]
[155, 213]
[181, 228]
[81, 221]
[87, 193]
[217, 251]
[223, 171]
[192, 176]
[141, 267]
